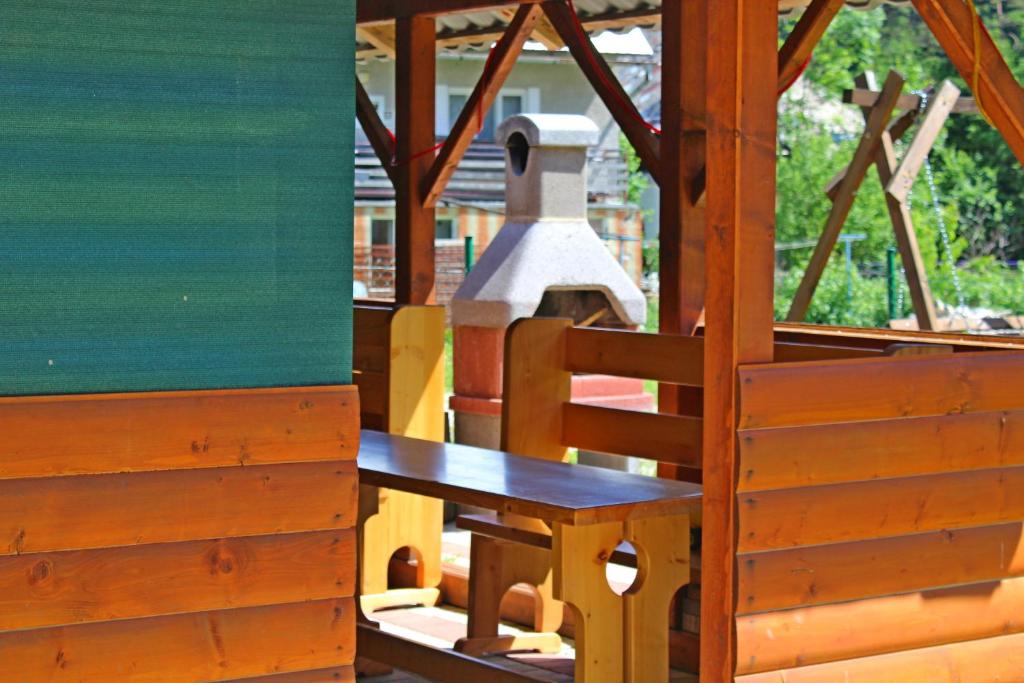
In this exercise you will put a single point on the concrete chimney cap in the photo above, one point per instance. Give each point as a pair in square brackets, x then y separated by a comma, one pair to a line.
[551, 130]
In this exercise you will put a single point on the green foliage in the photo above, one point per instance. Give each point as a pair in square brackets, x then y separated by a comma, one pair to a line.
[978, 179]
[637, 181]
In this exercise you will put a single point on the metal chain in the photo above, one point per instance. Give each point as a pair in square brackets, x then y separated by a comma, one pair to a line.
[947, 243]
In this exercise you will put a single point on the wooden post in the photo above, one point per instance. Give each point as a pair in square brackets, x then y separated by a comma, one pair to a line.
[683, 141]
[741, 122]
[415, 75]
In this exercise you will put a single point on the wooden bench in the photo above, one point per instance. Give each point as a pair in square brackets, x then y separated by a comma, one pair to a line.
[539, 420]
[590, 511]
[398, 362]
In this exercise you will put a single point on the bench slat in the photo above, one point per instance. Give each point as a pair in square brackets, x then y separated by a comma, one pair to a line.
[656, 436]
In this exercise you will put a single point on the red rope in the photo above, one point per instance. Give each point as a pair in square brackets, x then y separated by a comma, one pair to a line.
[485, 78]
[590, 52]
[796, 77]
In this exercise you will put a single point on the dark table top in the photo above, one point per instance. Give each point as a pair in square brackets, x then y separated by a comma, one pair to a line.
[552, 491]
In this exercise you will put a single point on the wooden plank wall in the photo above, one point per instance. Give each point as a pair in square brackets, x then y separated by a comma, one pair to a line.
[881, 508]
[187, 536]
[371, 360]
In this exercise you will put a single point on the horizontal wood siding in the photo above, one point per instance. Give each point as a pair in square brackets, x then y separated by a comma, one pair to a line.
[61, 435]
[881, 520]
[200, 536]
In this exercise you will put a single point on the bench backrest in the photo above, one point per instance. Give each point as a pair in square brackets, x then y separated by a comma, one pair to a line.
[541, 354]
[539, 419]
[398, 365]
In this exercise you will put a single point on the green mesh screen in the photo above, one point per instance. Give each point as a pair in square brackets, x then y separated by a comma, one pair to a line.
[176, 194]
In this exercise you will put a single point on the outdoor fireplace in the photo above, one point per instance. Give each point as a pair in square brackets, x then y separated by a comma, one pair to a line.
[545, 261]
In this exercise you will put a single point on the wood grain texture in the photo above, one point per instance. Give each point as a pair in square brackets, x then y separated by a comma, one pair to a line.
[665, 438]
[817, 575]
[812, 635]
[47, 436]
[673, 358]
[806, 393]
[806, 333]
[888, 507]
[741, 166]
[415, 102]
[54, 589]
[416, 372]
[532, 487]
[683, 155]
[536, 383]
[978, 661]
[206, 646]
[66, 513]
[793, 457]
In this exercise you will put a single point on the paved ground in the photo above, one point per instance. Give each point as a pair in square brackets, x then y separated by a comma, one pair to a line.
[442, 626]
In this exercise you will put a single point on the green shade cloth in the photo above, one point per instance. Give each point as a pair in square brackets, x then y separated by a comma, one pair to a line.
[176, 194]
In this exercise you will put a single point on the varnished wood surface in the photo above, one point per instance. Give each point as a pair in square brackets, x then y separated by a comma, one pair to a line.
[204, 646]
[978, 661]
[58, 588]
[45, 436]
[72, 513]
[500, 481]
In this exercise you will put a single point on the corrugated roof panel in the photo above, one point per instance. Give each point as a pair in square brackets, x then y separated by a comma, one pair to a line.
[479, 23]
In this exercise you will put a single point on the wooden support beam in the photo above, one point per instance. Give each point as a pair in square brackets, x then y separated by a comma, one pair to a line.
[903, 226]
[543, 32]
[792, 56]
[466, 127]
[741, 129]
[865, 97]
[415, 76]
[895, 130]
[866, 153]
[683, 143]
[379, 11]
[939, 107]
[1001, 96]
[607, 86]
[381, 37]
[375, 130]
[684, 138]
[805, 36]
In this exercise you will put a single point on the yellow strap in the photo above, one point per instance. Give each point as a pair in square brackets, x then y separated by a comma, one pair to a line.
[976, 27]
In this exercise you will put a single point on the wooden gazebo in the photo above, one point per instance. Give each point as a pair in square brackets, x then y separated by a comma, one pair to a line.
[795, 455]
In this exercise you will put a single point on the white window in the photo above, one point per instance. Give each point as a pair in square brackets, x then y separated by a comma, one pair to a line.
[382, 231]
[444, 229]
[509, 102]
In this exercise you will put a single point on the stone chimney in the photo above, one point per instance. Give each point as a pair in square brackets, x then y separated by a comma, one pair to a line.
[545, 260]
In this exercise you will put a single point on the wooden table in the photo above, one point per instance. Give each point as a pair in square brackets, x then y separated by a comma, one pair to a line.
[591, 512]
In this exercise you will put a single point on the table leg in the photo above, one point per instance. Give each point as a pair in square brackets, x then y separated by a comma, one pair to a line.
[663, 566]
[580, 554]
